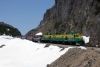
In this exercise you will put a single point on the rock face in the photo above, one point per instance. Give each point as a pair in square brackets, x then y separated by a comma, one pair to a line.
[82, 16]
[78, 58]
[8, 30]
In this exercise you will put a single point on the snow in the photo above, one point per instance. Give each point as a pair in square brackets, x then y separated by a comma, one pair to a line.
[24, 53]
[8, 29]
[40, 33]
[82, 47]
[86, 39]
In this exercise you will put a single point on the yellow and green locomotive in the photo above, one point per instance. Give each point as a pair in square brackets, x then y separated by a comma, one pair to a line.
[73, 38]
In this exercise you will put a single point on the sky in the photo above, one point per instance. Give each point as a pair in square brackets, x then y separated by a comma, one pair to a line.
[18, 52]
[24, 14]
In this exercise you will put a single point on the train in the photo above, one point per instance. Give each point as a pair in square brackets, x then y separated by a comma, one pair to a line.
[73, 38]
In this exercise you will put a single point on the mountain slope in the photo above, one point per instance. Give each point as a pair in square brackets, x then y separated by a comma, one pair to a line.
[8, 30]
[78, 58]
[82, 16]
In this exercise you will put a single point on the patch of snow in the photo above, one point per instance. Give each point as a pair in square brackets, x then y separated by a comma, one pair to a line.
[82, 47]
[4, 34]
[8, 29]
[86, 39]
[40, 33]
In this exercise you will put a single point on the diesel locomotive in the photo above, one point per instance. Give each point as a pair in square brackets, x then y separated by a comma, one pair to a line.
[73, 38]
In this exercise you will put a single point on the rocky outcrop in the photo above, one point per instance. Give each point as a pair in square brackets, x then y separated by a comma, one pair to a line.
[8, 30]
[78, 58]
[82, 16]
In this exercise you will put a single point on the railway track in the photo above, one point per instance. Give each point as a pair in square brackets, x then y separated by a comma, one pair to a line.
[74, 46]
[59, 45]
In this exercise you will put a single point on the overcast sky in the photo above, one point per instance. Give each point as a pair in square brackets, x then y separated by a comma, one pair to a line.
[24, 14]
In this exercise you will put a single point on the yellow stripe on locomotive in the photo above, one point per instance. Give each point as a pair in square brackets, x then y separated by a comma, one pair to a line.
[73, 37]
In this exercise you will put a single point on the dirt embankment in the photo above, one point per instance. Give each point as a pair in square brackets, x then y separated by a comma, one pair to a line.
[77, 57]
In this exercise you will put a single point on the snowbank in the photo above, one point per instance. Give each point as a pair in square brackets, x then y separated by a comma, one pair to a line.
[23, 53]
[18, 52]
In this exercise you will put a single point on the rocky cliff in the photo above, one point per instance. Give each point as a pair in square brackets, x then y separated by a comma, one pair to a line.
[82, 16]
[8, 30]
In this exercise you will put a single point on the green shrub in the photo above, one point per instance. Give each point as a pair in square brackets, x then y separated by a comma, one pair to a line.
[57, 25]
[5, 29]
[89, 25]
